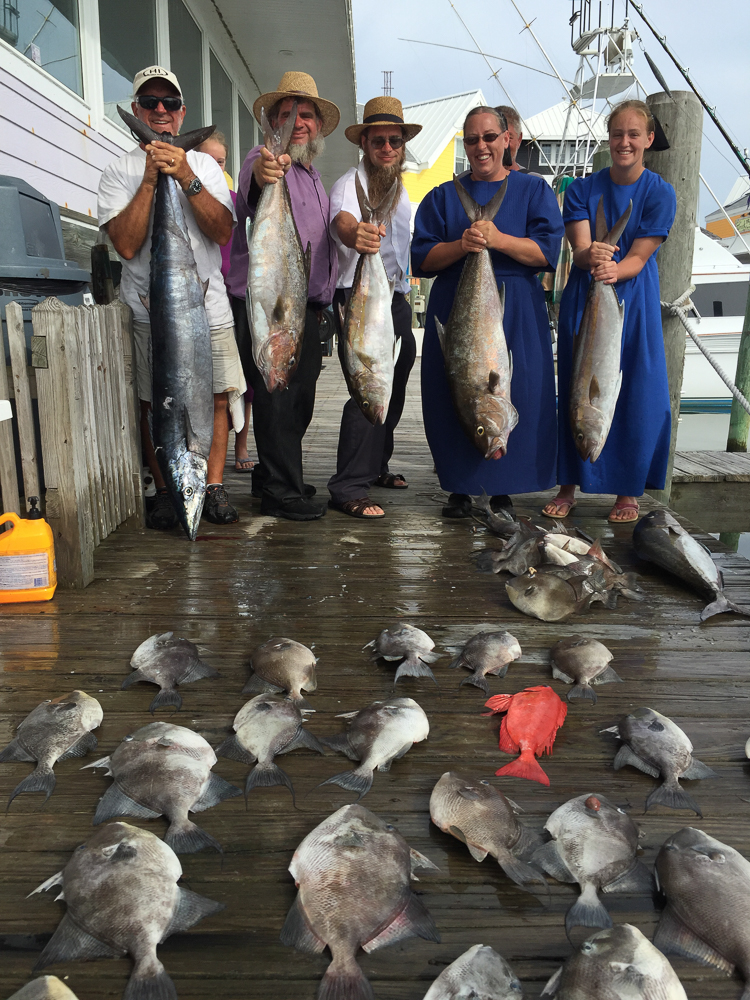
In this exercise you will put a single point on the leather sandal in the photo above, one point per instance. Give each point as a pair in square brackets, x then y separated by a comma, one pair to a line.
[559, 503]
[625, 507]
[357, 508]
[244, 465]
[391, 481]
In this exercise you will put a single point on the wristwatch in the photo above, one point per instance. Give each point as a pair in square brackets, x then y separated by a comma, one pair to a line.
[194, 187]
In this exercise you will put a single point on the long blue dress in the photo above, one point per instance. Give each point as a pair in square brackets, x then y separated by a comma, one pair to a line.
[529, 209]
[637, 450]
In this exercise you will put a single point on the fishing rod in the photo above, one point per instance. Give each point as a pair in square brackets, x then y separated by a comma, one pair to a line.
[711, 111]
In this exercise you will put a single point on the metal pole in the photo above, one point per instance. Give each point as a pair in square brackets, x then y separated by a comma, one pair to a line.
[681, 120]
[739, 421]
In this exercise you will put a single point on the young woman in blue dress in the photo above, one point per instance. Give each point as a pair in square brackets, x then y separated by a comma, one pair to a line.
[636, 453]
[524, 238]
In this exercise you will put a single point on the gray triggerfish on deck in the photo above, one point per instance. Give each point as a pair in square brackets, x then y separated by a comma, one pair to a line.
[182, 374]
[596, 378]
[477, 362]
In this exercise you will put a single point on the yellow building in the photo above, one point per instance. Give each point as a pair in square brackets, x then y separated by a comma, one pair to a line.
[737, 207]
[434, 154]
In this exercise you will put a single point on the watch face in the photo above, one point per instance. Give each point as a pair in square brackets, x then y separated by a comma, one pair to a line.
[194, 187]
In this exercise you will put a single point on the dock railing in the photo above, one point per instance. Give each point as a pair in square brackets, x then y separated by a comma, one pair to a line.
[90, 467]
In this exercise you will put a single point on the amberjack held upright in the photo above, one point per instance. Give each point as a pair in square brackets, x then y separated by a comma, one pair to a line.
[370, 345]
[477, 362]
[182, 372]
[596, 377]
[277, 274]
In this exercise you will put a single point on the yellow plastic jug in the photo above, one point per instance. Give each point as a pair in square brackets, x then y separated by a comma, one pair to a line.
[27, 560]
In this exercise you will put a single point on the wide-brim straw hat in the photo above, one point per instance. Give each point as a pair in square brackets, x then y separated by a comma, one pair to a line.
[382, 111]
[301, 86]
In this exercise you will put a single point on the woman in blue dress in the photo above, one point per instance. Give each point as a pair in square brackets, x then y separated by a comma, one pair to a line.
[524, 238]
[636, 453]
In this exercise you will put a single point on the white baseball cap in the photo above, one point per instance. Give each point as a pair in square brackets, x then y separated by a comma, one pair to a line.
[155, 73]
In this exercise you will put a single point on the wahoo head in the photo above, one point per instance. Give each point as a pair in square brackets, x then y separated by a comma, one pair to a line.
[590, 428]
[494, 417]
[279, 358]
[372, 394]
[186, 474]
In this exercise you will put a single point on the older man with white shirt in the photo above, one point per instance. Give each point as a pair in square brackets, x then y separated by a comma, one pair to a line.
[364, 449]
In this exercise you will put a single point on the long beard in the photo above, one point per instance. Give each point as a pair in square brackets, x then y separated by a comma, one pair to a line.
[379, 183]
[306, 153]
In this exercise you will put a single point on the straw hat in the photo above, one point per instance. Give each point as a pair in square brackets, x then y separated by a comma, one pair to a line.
[382, 111]
[296, 84]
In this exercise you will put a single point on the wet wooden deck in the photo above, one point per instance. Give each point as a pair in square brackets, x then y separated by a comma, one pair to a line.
[333, 585]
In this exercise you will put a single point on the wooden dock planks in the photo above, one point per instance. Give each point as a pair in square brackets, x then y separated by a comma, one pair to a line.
[333, 585]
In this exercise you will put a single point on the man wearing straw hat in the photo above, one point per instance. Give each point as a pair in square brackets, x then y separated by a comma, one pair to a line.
[280, 418]
[365, 449]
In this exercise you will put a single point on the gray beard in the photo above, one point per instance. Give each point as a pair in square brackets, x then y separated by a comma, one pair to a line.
[306, 153]
[379, 183]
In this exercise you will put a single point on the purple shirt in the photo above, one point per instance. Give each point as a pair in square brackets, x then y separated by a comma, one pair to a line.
[310, 208]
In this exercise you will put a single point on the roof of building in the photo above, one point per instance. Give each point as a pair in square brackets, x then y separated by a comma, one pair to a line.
[550, 124]
[740, 189]
[440, 120]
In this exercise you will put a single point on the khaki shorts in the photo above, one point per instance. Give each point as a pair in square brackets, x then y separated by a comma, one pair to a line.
[228, 375]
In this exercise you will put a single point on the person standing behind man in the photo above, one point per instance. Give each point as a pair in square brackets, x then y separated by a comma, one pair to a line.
[515, 135]
[365, 449]
[125, 208]
[281, 417]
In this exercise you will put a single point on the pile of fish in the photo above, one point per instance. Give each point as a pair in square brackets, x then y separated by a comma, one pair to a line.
[555, 574]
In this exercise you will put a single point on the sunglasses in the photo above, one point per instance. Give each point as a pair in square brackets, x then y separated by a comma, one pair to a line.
[394, 141]
[150, 103]
[487, 138]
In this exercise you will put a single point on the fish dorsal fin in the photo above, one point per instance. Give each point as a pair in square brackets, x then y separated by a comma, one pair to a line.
[501, 296]
[489, 211]
[471, 208]
[396, 349]
[601, 221]
[204, 286]
[510, 364]
[308, 259]
[365, 207]
[277, 140]
[613, 236]
[441, 333]
[594, 390]
[145, 302]
[191, 437]
[494, 381]
[674, 938]
[552, 986]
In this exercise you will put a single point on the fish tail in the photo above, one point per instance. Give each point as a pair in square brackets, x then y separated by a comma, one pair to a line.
[151, 983]
[521, 872]
[267, 775]
[671, 795]
[582, 691]
[187, 838]
[722, 604]
[165, 698]
[41, 779]
[344, 980]
[359, 780]
[525, 766]
[414, 666]
[587, 911]
[478, 680]
[147, 135]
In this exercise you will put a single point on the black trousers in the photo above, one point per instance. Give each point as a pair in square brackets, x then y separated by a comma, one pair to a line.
[364, 450]
[280, 418]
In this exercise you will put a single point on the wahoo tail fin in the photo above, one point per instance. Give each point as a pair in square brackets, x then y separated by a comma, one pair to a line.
[525, 766]
[722, 604]
[146, 135]
[476, 212]
[614, 234]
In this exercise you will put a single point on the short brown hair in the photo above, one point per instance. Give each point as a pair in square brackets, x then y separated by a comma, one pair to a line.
[639, 107]
[511, 116]
[219, 137]
[482, 110]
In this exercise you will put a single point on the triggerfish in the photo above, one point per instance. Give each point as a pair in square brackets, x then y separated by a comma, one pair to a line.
[534, 716]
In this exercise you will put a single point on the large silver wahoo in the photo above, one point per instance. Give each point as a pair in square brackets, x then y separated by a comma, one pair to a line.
[182, 373]
[596, 377]
[277, 273]
[370, 346]
[476, 356]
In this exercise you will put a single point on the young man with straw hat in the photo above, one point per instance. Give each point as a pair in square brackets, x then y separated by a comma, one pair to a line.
[280, 418]
[365, 449]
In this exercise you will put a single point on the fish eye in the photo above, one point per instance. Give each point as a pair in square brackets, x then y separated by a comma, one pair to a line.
[365, 404]
[530, 590]
[480, 430]
[127, 739]
[621, 811]
[717, 856]
[587, 947]
[656, 726]
[390, 827]
[292, 361]
[188, 492]
[484, 782]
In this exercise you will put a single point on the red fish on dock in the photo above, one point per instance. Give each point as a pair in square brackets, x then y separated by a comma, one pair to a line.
[533, 717]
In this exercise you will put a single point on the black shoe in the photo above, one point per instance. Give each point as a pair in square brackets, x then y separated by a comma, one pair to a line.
[160, 512]
[500, 502]
[298, 509]
[257, 490]
[217, 509]
[459, 505]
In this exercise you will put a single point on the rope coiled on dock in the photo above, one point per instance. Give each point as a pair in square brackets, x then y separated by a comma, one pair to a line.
[680, 309]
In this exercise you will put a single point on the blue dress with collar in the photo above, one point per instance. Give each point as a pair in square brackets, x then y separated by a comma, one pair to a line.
[529, 209]
[636, 454]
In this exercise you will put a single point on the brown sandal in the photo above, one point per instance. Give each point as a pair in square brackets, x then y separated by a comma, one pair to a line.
[624, 506]
[357, 508]
[559, 502]
[389, 481]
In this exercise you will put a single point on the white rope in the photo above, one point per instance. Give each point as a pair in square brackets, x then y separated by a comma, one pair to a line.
[680, 308]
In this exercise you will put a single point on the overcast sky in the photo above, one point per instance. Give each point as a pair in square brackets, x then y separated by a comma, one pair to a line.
[710, 39]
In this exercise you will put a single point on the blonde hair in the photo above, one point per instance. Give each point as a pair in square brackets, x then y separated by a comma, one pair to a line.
[219, 137]
[639, 107]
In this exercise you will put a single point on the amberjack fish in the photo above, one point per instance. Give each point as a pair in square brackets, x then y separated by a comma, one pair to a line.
[477, 362]
[596, 377]
[370, 346]
[182, 404]
[277, 273]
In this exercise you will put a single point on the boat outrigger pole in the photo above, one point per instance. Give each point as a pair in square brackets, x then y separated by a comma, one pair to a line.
[711, 111]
